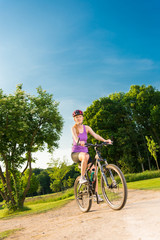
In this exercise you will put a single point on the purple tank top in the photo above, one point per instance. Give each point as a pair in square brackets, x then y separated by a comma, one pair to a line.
[83, 137]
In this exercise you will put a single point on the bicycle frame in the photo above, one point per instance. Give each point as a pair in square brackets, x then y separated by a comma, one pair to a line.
[100, 166]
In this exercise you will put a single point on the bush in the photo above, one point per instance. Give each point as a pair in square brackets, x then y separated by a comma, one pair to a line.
[142, 176]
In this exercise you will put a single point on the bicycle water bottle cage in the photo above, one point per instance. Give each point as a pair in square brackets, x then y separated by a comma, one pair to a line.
[92, 175]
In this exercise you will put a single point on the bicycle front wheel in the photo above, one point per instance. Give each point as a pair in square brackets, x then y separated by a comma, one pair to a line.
[82, 195]
[114, 187]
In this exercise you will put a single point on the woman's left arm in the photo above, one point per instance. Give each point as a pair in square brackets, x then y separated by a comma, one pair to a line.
[96, 136]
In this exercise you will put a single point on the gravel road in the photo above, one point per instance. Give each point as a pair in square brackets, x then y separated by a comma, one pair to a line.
[138, 220]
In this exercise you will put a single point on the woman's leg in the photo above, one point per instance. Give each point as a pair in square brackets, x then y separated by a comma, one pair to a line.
[83, 157]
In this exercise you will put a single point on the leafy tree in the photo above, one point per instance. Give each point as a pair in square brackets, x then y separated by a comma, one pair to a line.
[128, 117]
[57, 174]
[44, 183]
[27, 124]
[144, 103]
[109, 117]
[62, 175]
[153, 149]
[34, 183]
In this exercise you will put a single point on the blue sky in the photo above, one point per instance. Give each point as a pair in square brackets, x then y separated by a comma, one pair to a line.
[79, 50]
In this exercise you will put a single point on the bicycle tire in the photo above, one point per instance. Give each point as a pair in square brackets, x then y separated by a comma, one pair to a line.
[114, 191]
[83, 195]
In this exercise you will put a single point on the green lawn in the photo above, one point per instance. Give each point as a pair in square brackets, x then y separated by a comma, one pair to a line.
[149, 184]
[35, 208]
[41, 204]
[7, 233]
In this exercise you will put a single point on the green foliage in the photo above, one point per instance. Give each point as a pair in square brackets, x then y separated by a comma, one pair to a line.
[128, 117]
[27, 124]
[153, 148]
[142, 176]
[44, 182]
[62, 176]
[34, 183]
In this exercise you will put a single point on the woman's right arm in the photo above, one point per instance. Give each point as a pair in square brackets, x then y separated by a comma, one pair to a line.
[74, 134]
[76, 138]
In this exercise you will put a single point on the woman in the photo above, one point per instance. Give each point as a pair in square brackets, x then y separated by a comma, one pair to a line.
[79, 151]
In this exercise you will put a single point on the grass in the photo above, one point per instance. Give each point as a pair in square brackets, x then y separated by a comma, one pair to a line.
[132, 177]
[50, 197]
[7, 233]
[149, 184]
[41, 204]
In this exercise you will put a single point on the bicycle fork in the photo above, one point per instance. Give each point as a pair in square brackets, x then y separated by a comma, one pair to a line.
[103, 174]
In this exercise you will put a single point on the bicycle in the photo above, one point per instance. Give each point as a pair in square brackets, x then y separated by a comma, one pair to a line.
[113, 183]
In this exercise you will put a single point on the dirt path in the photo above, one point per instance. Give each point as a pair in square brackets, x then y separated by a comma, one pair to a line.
[138, 220]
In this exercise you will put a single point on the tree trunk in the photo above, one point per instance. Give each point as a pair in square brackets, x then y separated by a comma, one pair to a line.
[139, 154]
[5, 197]
[156, 136]
[28, 182]
[16, 186]
[9, 187]
[142, 167]
[145, 144]
[157, 163]
[24, 169]
[10, 198]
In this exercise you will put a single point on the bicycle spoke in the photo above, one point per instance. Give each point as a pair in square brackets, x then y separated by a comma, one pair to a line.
[114, 187]
[82, 196]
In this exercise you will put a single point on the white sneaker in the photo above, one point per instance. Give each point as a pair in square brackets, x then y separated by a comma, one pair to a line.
[99, 199]
[83, 180]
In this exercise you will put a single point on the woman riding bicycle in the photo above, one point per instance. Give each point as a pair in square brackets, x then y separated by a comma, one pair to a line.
[79, 151]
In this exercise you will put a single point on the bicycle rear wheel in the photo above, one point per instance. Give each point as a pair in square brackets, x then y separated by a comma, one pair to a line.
[82, 195]
[114, 187]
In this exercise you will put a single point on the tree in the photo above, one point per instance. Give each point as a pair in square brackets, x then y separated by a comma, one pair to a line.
[27, 124]
[57, 175]
[153, 149]
[144, 103]
[44, 182]
[109, 117]
[34, 183]
[128, 117]
[62, 175]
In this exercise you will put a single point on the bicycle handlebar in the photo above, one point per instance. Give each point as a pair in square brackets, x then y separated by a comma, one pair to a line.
[97, 145]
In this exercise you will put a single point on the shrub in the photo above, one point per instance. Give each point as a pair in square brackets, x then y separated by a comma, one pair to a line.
[142, 176]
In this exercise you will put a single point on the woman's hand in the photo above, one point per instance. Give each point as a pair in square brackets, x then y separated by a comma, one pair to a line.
[109, 141]
[82, 143]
